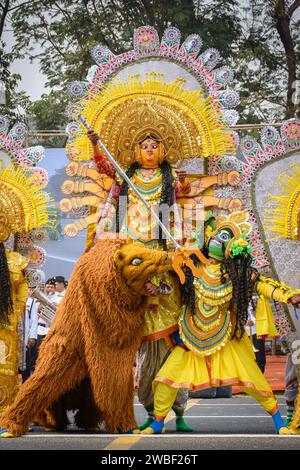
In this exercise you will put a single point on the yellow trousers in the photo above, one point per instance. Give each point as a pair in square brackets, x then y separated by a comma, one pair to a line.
[234, 364]
[165, 396]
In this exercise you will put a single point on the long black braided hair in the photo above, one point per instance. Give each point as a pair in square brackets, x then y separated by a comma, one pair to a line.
[166, 196]
[241, 273]
[242, 276]
[6, 304]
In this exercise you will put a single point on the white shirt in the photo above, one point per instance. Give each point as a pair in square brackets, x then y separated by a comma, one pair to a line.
[60, 295]
[251, 317]
[55, 298]
[31, 319]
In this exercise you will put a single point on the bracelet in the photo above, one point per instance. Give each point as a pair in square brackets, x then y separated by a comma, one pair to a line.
[222, 179]
[187, 187]
[78, 187]
[183, 187]
[224, 203]
[82, 171]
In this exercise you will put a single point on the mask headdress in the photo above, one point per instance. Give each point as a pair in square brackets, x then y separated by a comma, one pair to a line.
[147, 129]
[165, 89]
[189, 124]
[24, 204]
[237, 223]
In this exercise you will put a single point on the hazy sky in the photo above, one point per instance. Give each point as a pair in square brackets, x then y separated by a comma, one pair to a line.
[33, 80]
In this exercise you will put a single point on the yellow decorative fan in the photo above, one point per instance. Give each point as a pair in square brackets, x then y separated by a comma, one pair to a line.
[283, 213]
[23, 205]
[191, 123]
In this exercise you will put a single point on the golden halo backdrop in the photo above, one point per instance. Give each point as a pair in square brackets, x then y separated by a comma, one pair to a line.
[190, 125]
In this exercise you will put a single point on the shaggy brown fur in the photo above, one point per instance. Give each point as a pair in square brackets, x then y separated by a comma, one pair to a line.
[95, 335]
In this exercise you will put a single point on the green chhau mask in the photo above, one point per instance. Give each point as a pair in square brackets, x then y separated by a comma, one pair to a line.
[226, 242]
[218, 244]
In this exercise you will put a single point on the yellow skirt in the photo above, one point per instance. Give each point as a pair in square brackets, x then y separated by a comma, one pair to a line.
[234, 364]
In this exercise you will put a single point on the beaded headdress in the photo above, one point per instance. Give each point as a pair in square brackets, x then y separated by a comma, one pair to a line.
[184, 91]
[237, 222]
[165, 87]
[23, 205]
[25, 210]
[189, 124]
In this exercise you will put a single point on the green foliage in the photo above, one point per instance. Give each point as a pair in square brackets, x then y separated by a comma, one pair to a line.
[48, 114]
[13, 104]
[260, 63]
[61, 33]
[66, 30]
[49, 111]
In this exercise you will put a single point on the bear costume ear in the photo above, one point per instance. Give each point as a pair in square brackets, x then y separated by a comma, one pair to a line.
[119, 256]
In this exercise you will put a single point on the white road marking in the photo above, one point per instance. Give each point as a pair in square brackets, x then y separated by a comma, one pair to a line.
[231, 416]
[216, 405]
[151, 436]
[123, 443]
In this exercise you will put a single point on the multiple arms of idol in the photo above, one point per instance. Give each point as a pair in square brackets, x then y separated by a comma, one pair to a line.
[189, 195]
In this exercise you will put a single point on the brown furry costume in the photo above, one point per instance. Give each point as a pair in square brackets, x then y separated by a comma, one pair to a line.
[95, 335]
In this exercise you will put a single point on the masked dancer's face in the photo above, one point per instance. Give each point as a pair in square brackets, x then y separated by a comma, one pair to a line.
[217, 244]
[150, 151]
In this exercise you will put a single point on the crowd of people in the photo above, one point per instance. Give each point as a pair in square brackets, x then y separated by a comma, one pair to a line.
[35, 327]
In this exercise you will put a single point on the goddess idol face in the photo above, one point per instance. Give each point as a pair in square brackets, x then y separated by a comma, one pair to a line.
[149, 153]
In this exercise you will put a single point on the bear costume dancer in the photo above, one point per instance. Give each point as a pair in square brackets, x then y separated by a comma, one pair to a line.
[95, 335]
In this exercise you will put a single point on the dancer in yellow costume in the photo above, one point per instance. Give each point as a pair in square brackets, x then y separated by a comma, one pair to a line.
[148, 126]
[13, 295]
[282, 220]
[23, 206]
[211, 348]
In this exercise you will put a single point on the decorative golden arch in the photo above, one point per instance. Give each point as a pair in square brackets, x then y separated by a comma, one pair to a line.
[283, 213]
[191, 123]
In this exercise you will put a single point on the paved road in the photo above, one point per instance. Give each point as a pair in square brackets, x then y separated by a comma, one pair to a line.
[237, 423]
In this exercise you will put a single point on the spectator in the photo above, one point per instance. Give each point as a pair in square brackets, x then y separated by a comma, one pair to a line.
[291, 388]
[49, 289]
[52, 297]
[292, 374]
[258, 344]
[60, 286]
[31, 326]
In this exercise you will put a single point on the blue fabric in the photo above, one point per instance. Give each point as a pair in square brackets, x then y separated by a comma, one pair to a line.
[120, 431]
[176, 337]
[278, 421]
[157, 426]
[2, 431]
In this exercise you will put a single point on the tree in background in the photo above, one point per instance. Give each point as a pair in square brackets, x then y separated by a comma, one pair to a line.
[267, 60]
[49, 113]
[15, 104]
[289, 31]
[11, 101]
[257, 38]
[67, 30]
